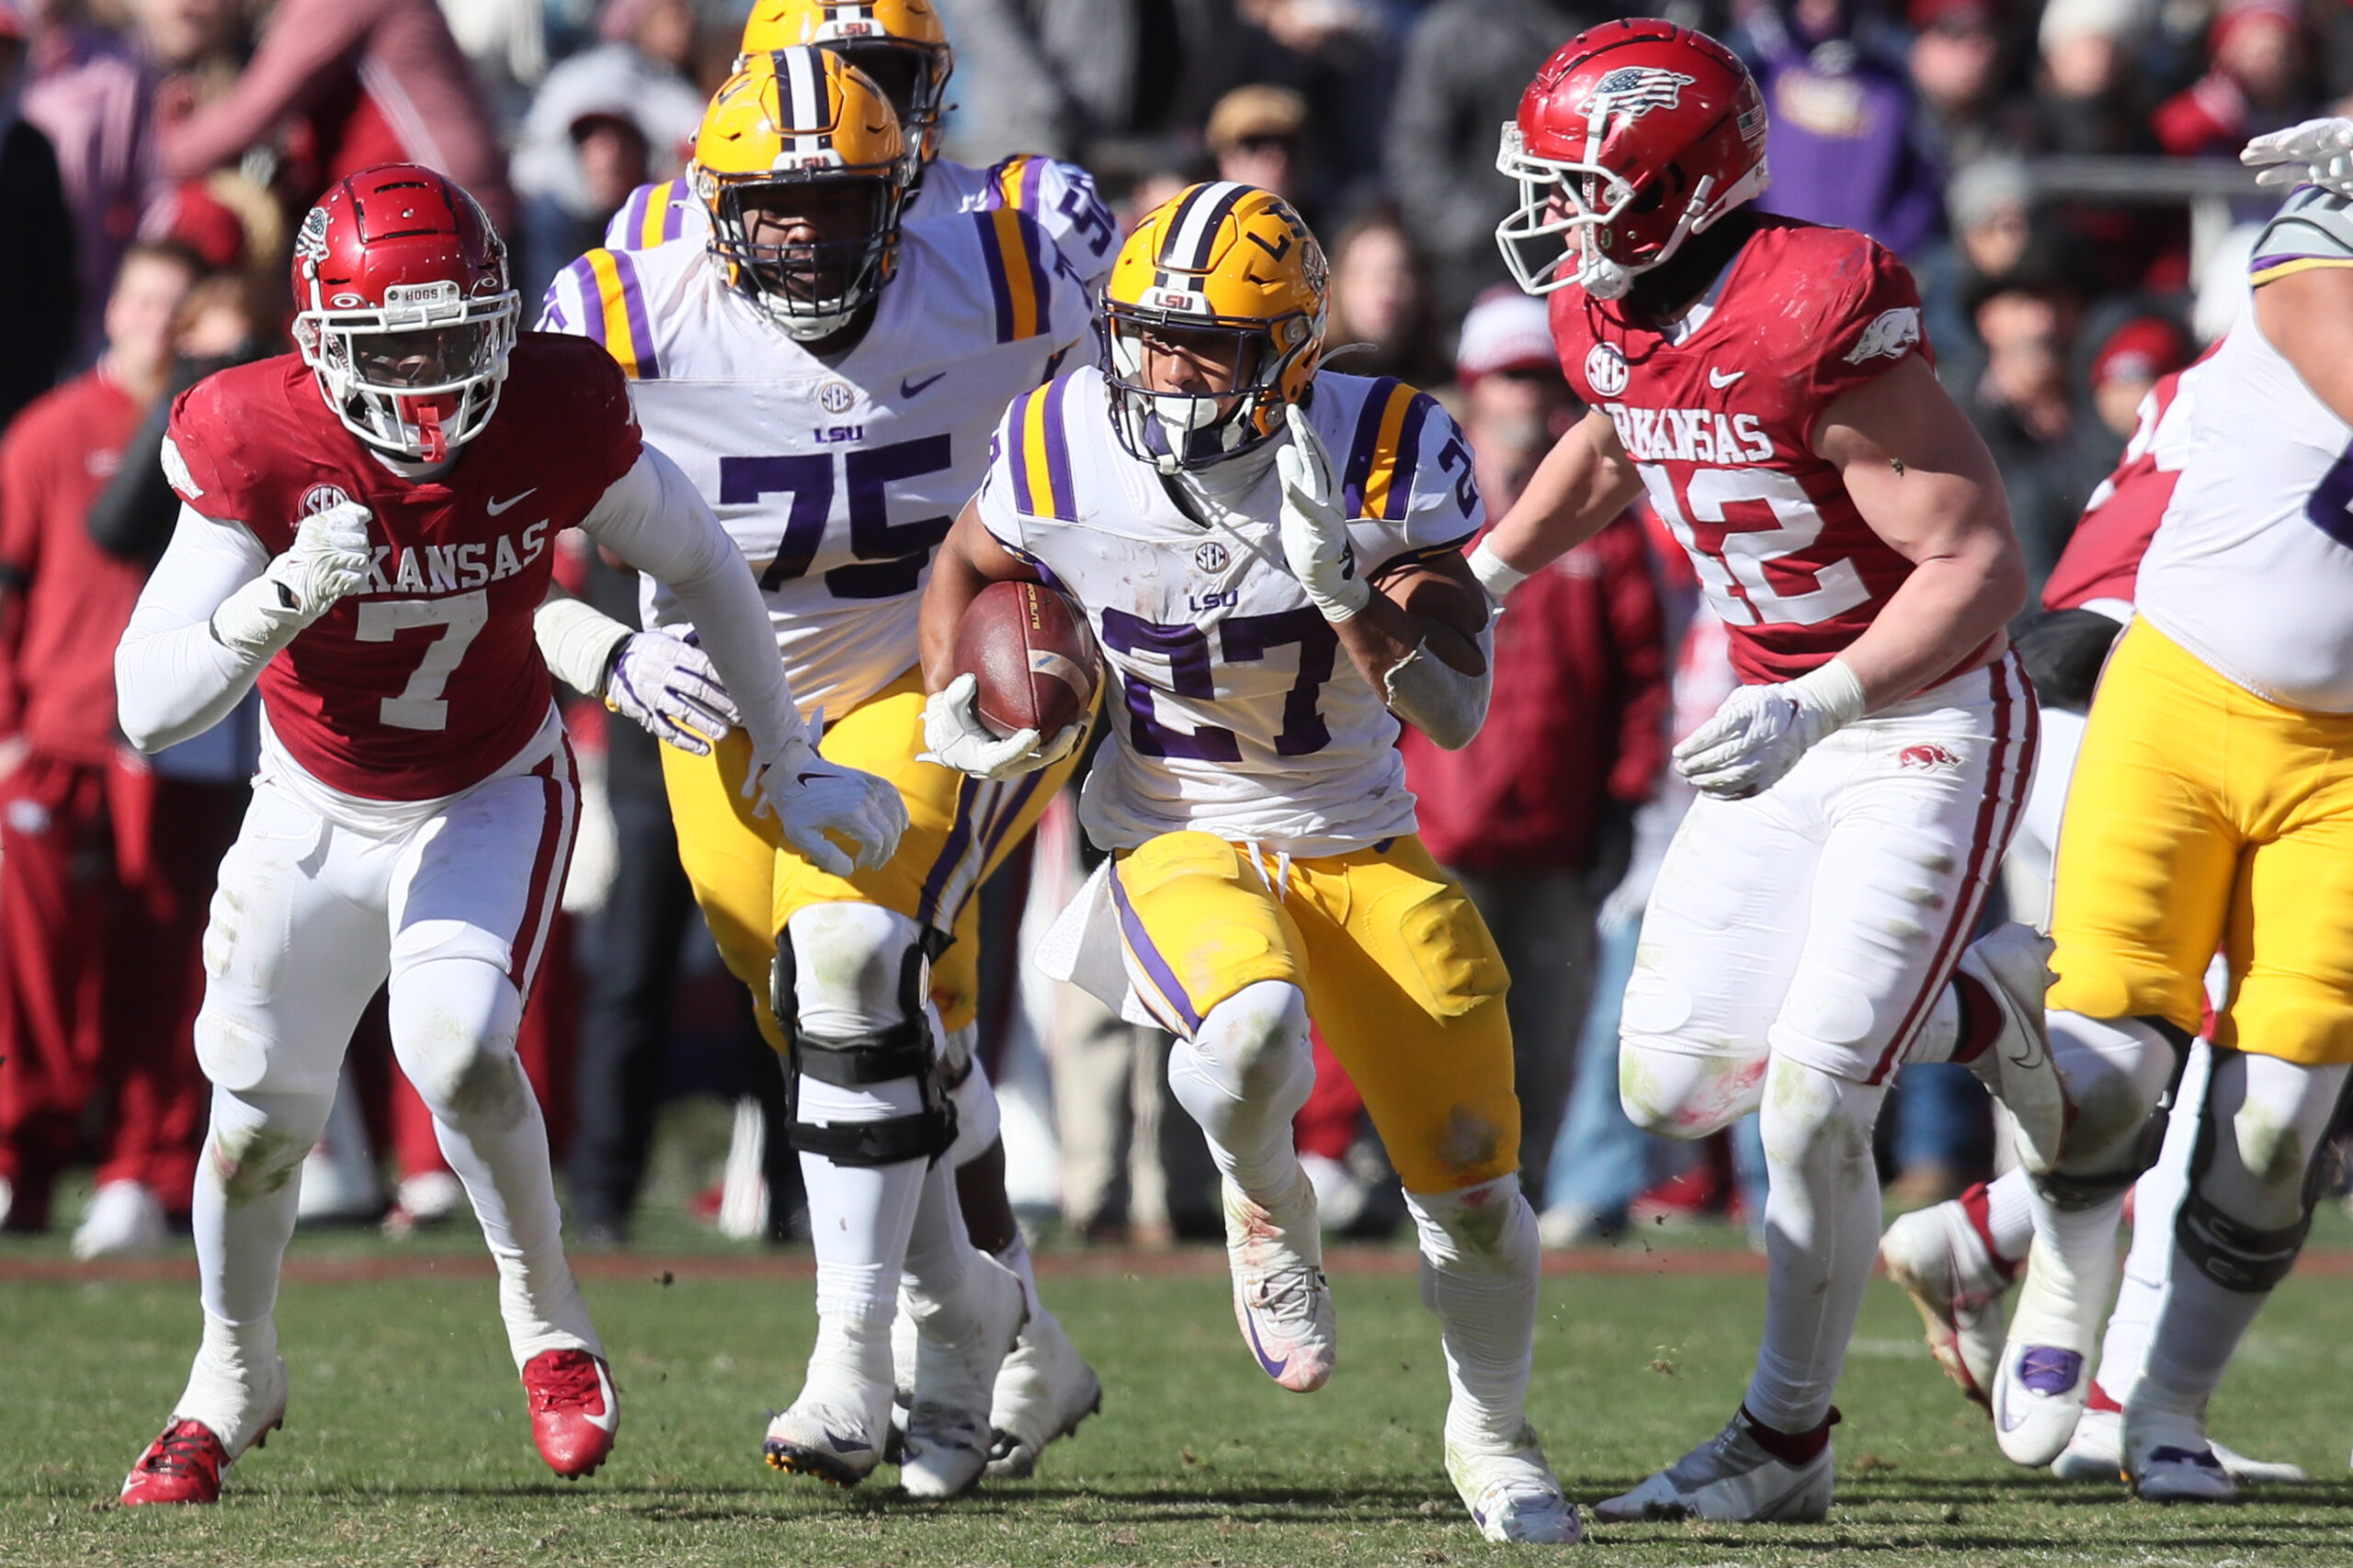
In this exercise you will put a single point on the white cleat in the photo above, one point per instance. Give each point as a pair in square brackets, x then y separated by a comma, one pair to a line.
[124, 1220]
[1280, 1298]
[2013, 962]
[1043, 1391]
[2097, 1450]
[1730, 1478]
[835, 1431]
[1512, 1497]
[2169, 1459]
[2044, 1375]
[1943, 1264]
[960, 1346]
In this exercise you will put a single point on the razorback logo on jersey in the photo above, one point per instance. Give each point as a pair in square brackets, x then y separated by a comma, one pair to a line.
[454, 568]
[1690, 435]
[1889, 334]
[1927, 755]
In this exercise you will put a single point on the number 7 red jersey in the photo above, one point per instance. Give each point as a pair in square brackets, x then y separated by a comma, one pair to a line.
[428, 679]
[1721, 426]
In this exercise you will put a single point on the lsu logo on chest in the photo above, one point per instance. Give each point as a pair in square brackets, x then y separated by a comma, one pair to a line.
[1690, 435]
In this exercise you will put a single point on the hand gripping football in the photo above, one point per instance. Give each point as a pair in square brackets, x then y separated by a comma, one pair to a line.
[1033, 657]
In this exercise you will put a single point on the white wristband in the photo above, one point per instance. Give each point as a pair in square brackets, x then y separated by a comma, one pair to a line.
[1833, 691]
[1494, 575]
[577, 641]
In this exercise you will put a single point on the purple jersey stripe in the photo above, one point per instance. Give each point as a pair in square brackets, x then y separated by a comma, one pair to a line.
[1363, 446]
[1409, 452]
[960, 837]
[1016, 423]
[1140, 943]
[1000, 287]
[584, 276]
[1033, 250]
[674, 210]
[640, 329]
[1058, 454]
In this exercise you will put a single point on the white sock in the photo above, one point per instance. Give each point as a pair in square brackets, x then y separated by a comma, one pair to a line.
[1821, 1237]
[860, 1216]
[1015, 1255]
[233, 1385]
[453, 1026]
[1480, 1264]
[2009, 1214]
[1244, 1076]
[939, 1249]
[2157, 1199]
[247, 1183]
[2198, 1330]
[850, 1362]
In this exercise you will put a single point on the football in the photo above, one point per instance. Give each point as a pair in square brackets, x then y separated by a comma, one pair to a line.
[1030, 649]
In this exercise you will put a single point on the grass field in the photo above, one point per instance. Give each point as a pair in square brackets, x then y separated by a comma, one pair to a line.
[407, 1442]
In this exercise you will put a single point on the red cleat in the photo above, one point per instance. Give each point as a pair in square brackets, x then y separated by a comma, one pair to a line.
[574, 1410]
[184, 1465]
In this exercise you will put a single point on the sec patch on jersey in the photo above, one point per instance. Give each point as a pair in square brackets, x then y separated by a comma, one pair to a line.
[1035, 661]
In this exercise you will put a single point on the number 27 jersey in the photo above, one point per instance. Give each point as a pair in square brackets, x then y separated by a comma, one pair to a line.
[1721, 426]
[1235, 709]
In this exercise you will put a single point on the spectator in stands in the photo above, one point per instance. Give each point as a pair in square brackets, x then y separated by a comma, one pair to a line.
[1255, 135]
[1381, 300]
[35, 243]
[1535, 813]
[1466, 64]
[1060, 77]
[89, 993]
[373, 82]
[90, 94]
[1844, 137]
[604, 121]
[2261, 79]
[1960, 62]
[1989, 207]
[2132, 350]
[2086, 98]
[1341, 56]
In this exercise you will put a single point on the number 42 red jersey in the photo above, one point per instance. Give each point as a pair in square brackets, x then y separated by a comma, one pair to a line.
[428, 679]
[1721, 426]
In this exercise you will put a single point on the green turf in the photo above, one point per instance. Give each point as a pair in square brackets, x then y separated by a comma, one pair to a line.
[407, 1441]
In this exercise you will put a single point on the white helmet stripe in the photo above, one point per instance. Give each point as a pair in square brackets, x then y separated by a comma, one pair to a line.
[1194, 233]
[805, 97]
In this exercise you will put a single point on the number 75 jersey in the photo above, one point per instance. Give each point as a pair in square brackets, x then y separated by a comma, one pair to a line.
[1236, 712]
[1720, 422]
[838, 478]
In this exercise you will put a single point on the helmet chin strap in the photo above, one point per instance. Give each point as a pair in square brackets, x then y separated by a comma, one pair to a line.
[1603, 278]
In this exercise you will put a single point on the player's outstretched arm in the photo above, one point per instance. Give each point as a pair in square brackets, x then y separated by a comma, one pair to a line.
[652, 518]
[1585, 481]
[1925, 482]
[2308, 317]
[969, 560]
[217, 608]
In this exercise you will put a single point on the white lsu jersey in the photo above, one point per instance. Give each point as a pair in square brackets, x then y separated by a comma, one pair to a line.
[1234, 709]
[2252, 567]
[1061, 198]
[837, 480]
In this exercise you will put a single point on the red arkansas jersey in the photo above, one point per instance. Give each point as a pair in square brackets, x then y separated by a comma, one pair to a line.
[428, 679]
[2103, 555]
[1721, 426]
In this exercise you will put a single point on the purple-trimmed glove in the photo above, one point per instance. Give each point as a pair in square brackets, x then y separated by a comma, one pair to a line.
[669, 686]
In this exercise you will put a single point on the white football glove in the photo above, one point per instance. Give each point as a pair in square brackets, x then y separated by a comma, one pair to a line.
[670, 688]
[953, 736]
[1761, 730]
[814, 798]
[328, 559]
[1315, 536]
[2318, 152]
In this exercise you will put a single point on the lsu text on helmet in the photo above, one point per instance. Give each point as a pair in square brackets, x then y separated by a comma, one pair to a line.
[901, 44]
[1231, 272]
[801, 166]
[1633, 137]
[403, 308]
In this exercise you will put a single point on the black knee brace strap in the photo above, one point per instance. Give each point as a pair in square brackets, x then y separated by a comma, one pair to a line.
[904, 1050]
[2232, 1253]
[2068, 1192]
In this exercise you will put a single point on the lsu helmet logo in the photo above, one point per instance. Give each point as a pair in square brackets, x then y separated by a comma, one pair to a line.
[1634, 90]
[1889, 334]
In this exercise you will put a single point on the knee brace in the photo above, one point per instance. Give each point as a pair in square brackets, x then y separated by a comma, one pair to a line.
[2231, 1252]
[891, 1052]
[2071, 1191]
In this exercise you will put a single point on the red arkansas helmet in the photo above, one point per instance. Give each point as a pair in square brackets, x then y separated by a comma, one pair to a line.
[403, 310]
[1633, 137]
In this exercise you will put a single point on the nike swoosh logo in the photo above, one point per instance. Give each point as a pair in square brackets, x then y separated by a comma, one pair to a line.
[496, 507]
[909, 388]
[1718, 380]
[1272, 1367]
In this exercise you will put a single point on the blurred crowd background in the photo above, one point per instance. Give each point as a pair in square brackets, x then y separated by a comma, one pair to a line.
[2062, 180]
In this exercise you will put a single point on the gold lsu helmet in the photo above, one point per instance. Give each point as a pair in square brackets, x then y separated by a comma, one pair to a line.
[1219, 260]
[901, 43]
[785, 123]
